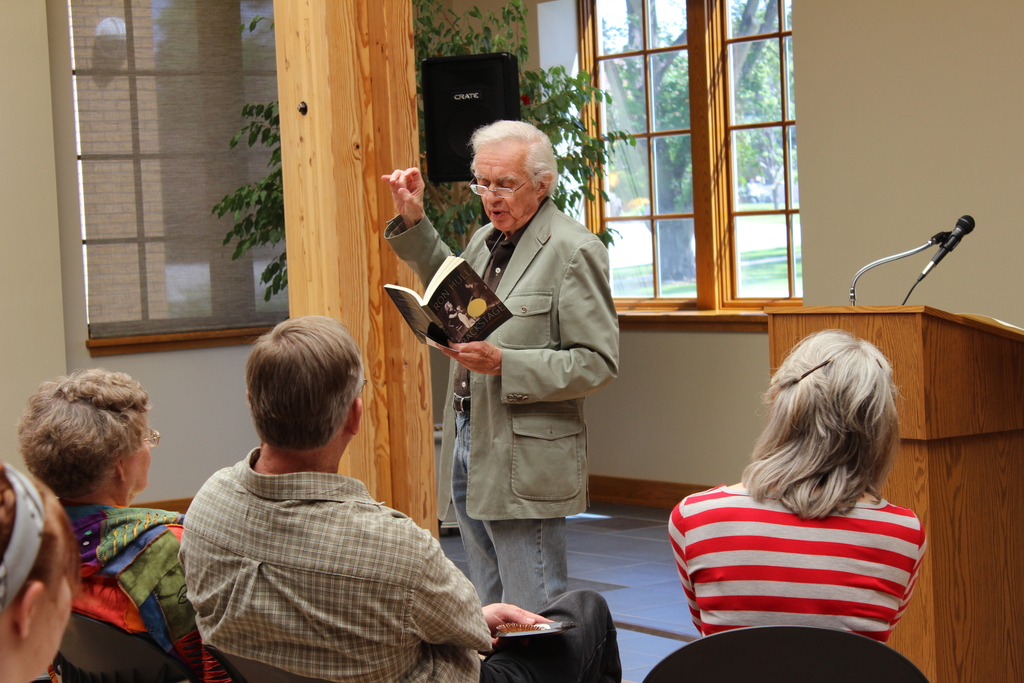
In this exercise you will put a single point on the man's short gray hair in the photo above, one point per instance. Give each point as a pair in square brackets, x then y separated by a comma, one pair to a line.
[539, 163]
[301, 378]
[832, 427]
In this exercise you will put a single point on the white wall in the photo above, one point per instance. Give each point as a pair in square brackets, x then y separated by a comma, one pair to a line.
[910, 115]
[32, 337]
[557, 34]
[198, 399]
[685, 408]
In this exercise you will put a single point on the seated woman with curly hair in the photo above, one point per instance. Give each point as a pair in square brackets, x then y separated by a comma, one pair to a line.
[38, 575]
[806, 538]
[87, 436]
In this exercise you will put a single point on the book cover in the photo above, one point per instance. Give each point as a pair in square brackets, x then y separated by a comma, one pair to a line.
[458, 306]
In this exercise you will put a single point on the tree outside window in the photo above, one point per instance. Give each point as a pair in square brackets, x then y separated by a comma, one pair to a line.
[647, 59]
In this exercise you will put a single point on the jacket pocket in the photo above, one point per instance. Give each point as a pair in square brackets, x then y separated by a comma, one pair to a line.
[547, 455]
[530, 326]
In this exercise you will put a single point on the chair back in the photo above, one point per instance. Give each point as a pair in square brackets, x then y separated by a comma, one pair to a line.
[785, 654]
[244, 670]
[94, 651]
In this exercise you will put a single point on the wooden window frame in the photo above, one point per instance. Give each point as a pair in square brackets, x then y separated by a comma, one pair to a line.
[715, 307]
[174, 342]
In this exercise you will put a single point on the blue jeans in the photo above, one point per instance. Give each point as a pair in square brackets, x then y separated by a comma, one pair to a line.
[518, 561]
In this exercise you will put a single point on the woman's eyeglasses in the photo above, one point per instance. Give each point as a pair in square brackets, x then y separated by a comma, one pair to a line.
[153, 439]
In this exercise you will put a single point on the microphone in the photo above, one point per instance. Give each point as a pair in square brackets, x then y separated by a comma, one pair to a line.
[937, 238]
[963, 227]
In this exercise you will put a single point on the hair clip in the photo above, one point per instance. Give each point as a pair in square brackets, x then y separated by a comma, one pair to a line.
[816, 367]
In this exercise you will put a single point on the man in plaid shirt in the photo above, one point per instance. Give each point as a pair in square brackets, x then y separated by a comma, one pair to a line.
[289, 563]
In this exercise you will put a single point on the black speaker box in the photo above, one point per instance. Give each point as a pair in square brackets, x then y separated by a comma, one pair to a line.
[461, 94]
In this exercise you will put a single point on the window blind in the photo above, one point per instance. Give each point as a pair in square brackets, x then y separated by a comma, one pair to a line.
[159, 88]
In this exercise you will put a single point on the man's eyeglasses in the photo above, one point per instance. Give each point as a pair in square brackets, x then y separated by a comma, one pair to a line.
[153, 439]
[503, 192]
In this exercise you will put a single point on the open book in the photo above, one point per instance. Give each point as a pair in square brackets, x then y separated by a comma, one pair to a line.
[457, 306]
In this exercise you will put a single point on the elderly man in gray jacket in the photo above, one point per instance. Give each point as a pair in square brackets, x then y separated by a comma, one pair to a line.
[515, 442]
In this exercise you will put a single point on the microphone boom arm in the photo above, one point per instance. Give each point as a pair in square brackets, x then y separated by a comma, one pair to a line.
[939, 238]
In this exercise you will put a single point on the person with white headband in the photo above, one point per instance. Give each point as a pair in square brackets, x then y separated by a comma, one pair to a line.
[38, 575]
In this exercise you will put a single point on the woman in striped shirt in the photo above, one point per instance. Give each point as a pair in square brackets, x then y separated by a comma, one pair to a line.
[806, 538]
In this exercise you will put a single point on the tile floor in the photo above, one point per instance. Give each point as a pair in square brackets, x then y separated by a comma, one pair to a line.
[622, 551]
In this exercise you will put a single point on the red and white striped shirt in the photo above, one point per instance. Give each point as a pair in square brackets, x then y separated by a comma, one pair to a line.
[743, 563]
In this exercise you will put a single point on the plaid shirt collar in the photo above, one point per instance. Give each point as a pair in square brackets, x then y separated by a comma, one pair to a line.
[301, 485]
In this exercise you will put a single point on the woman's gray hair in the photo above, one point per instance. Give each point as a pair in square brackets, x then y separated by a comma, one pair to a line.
[539, 163]
[832, 427]
[75, 428]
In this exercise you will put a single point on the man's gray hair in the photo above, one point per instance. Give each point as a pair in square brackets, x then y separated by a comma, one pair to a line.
[539, 163]
[832, 427]
[301, 378]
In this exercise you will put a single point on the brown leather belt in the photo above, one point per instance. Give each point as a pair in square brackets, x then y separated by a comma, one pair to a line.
[461, 404]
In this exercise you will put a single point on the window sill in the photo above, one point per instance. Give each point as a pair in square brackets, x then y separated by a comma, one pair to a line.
[694, 321]
[174, 342]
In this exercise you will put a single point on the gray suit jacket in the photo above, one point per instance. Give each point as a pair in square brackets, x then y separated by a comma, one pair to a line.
[528, 453]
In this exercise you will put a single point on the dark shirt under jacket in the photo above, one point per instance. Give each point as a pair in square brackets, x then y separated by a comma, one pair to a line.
[501, 249]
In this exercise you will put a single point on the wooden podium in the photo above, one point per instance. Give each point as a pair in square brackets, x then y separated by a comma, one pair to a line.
[960, 467]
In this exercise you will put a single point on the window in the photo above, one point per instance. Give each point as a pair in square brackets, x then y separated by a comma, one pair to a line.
[159, 87]
[705, 207]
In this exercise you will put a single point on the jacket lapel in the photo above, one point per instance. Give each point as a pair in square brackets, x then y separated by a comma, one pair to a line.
[537, 234]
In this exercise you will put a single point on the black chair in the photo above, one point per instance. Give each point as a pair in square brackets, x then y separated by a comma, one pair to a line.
[244, 670]
[785, 654]
[94, 651]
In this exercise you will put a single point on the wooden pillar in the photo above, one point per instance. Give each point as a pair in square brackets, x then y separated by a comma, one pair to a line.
[351, 63]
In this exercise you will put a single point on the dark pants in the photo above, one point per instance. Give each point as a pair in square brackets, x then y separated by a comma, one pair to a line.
[588, 653]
